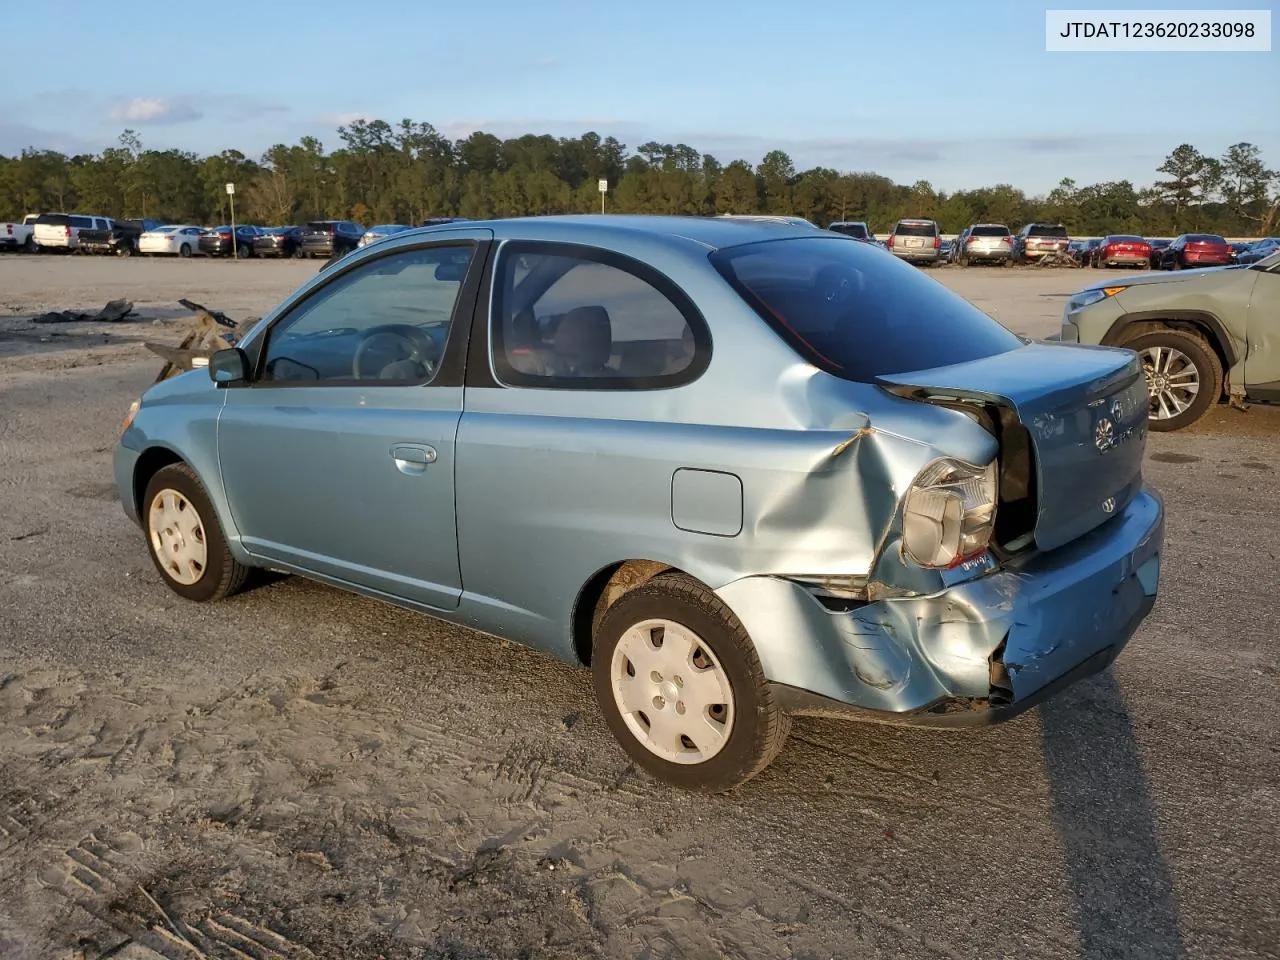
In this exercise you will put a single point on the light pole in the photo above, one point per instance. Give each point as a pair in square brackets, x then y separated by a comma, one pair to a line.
[235, 247]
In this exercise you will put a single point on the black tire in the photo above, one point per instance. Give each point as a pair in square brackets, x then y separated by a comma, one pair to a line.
[124, 250]
[30, 245]
[222, 574]
[299, 254]
[1207, 365]
[184, 250]
[758, 729]
[244, 251]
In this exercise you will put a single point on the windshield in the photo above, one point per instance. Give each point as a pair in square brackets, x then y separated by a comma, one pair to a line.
[849, 309]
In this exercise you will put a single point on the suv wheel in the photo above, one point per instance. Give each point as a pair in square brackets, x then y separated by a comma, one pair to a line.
[682, 689]
[1184, 377]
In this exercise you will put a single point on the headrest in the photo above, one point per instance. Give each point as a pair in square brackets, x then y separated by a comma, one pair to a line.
[584, 337]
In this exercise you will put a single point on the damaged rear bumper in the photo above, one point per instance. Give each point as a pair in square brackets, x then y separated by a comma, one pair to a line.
[980, 652]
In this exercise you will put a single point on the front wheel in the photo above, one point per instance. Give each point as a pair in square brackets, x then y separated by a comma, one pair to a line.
[185, 539]
[682, 689]
[1184, 377]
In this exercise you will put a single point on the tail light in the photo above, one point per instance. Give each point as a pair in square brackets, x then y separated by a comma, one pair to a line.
[8, 228]
[67, 231]
[889, 242]
[937, 242]
[949, 513]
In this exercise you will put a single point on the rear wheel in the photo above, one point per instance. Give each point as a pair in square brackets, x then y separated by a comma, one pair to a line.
[244, 251]
[1184, 377]
[682, 689]
[184, 250]
[185, 539]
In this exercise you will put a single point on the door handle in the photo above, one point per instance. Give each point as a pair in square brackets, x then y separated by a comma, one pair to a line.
[412, 458]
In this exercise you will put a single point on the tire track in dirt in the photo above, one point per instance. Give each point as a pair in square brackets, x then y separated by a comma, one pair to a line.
[281, 820]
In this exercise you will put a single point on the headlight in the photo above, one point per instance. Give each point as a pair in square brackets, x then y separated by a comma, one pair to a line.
[1086, 297]
[949, 513]
[128, 417]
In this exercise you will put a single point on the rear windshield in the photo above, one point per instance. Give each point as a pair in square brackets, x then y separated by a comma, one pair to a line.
[849, 309]
[850, 229]
[916, 229]
[55, 219]
[326, 225]
[1046, 230]
[989, 232]
[1204, 238]
[1122, 238]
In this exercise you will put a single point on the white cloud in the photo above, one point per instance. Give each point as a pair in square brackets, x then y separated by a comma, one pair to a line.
[154, 110]
[343, 119]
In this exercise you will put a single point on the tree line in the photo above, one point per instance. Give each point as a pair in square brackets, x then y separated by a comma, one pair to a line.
[404, 173]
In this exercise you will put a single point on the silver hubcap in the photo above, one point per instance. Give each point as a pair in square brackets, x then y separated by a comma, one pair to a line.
[672, 692]
[177, 536]
[1172, 381]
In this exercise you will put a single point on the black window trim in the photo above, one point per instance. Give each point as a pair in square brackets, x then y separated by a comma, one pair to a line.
[488, 366]
[450, 372]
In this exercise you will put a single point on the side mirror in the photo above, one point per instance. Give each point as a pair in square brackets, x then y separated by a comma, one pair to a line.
[229, 366]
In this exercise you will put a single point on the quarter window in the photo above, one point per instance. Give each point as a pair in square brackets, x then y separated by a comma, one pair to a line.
[386, 321]
[580, 318]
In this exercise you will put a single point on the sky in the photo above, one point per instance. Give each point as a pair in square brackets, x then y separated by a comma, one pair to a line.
[959, 94]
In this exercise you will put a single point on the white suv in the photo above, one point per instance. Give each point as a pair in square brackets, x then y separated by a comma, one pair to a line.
[62, 230]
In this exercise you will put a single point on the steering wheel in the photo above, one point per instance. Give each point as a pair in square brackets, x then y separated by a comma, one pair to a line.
[404, 339]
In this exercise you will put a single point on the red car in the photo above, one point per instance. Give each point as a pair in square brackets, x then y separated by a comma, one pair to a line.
[1121, 250]
[1195, 250]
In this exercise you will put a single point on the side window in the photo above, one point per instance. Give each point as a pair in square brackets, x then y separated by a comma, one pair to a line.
[582, 318]
[387, 321]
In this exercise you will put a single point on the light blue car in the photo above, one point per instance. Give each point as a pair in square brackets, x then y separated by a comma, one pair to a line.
[742, 469]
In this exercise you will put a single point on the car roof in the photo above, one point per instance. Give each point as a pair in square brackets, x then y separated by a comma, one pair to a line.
[713, 233]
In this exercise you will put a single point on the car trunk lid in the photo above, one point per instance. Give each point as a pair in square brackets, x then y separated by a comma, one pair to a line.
[1085, 411]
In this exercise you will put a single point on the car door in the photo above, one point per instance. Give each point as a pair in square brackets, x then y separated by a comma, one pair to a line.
[1262, 361]
[338, 454]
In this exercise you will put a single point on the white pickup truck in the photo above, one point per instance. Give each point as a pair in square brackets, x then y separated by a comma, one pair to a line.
[19, 236]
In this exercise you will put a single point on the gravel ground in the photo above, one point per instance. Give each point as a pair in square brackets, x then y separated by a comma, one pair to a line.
[302, 773]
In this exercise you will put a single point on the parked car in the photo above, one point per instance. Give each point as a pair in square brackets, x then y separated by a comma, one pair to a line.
[120, 239]
[983, 243]
[19, 236]
[857, 229]
[278, 242]
[1036, 240]
[1258, 250]
[917, 241]
[1157, 247]
[171, 240]
[1195, 250]
[433, 221]
[859, 527]
[327, 238]
[1188, 328]
[1121, 250]
[380, 231]
[61, 231]
[216, 241]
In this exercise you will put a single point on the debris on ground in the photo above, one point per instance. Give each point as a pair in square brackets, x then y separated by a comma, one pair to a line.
[202, 340]
[116, 311]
